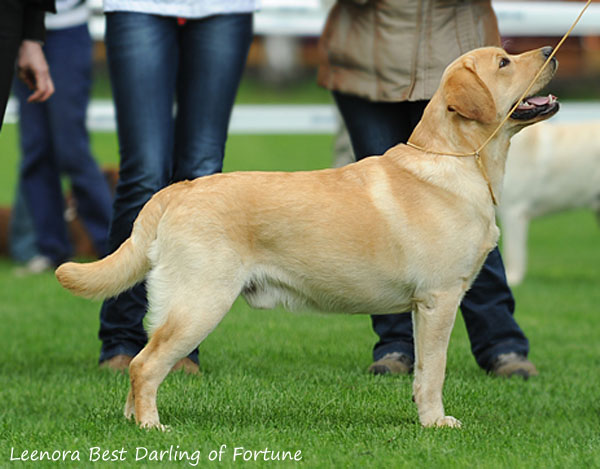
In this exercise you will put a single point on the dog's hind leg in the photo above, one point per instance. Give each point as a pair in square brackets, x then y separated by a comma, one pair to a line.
[433, 320]
[188, 321]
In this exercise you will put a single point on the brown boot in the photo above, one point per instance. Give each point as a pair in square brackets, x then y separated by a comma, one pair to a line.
[393, 364]
[118, 363]
[513, 364]
[187, 365]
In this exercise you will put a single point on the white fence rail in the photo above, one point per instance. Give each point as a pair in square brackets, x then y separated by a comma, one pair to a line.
[293, 119]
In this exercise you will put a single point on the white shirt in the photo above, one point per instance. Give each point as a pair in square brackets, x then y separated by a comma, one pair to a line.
[69, 13]
[183, 8]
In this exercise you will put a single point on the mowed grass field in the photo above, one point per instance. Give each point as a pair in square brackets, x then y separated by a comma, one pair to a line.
[297, 382]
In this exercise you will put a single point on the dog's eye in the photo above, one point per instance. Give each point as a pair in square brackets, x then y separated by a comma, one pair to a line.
[504, 62]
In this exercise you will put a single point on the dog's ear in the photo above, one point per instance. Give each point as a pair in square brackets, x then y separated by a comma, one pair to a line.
[468, 95]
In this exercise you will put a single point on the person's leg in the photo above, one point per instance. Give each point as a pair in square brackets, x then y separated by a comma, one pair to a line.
[22, 239]
[488, 308]
[142, 59]
[40, 178]
[69, 55]
[213, 54]
[373, 128]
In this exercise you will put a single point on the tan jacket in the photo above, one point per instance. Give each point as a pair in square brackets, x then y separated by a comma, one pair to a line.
[396, 50]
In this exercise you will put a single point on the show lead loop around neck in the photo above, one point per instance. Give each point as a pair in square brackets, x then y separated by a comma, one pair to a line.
[462, 155]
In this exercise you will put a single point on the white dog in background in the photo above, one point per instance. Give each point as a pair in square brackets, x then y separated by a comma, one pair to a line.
[550, 168]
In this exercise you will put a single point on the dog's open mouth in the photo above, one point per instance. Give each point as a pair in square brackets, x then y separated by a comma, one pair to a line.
[535, 106]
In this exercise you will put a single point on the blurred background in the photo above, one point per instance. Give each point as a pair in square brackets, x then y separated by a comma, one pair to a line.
[283, 59]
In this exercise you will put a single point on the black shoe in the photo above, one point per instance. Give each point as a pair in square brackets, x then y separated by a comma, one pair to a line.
[394, 363]
[513, 364]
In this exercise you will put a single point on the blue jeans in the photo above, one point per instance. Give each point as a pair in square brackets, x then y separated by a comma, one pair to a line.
[154, 62]
[488, 307]
[22, 238]
[54, 141]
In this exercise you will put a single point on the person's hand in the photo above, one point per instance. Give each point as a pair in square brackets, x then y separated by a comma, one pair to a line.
[33, 69]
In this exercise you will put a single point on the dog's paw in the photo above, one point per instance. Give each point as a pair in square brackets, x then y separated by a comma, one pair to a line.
[154, 425]
[448, 421]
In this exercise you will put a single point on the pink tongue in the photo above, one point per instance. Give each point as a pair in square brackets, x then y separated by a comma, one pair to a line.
[539, 100]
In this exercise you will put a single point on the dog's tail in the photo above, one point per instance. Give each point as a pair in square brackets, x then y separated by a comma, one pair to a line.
[123, 268]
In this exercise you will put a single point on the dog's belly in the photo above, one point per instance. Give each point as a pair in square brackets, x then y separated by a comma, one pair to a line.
[270, 291]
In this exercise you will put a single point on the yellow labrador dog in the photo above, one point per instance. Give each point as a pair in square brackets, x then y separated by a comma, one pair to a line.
[408, 230]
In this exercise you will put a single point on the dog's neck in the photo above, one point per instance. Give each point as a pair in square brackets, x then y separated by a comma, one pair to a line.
[429, 135]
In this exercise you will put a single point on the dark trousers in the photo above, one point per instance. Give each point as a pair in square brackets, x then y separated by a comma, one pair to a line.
[11, 31]
[488, 307]
[151, 60]
[55, 141]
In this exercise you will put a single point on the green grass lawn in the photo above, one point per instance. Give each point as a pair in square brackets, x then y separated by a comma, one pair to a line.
[298, 382]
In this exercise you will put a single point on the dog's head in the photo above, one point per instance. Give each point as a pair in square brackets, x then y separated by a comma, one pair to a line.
[485, 84]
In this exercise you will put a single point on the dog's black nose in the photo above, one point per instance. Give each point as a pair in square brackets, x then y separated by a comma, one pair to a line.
[547, 51]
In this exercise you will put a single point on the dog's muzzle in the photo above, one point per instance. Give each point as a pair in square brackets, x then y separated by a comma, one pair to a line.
[536, 106]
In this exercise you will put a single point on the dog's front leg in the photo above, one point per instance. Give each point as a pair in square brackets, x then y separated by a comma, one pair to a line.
[433, 318]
